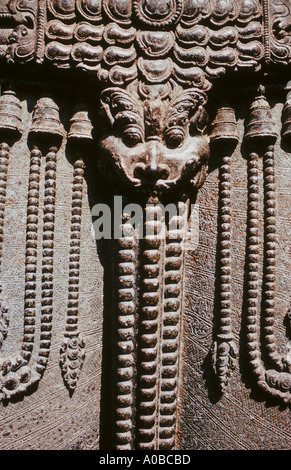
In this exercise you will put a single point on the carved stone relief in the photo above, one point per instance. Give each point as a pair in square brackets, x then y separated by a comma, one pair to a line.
[259, 299]
[155, 72]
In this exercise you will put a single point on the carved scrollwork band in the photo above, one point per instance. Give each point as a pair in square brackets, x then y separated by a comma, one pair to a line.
[191, 41]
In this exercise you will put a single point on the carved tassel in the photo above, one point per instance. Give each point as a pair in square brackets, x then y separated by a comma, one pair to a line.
[286, 116]
[12, 367]
[159, 328]
[72, 353]
[158, 340]
[17, 374]
[260, 133]
[47, 260]
[224, 352]
[150, 330]
[10, 128]
[171, 327]
[47, 130]
[270, 241]
[32, 222]
[125, 340]
[73, 347]
[4, 162]
[253, 267]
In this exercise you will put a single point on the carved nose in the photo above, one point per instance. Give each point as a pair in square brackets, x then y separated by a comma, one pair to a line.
[153, 170]
[153, 155]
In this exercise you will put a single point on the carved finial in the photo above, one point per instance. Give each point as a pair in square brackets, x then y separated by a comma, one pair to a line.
[224, 126]
[10, 113]
[81, 125]
[259, 124]
[46, 119]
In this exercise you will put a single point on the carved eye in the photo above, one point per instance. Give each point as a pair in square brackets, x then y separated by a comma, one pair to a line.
[132, 136]
[123, 104]
[174, 137]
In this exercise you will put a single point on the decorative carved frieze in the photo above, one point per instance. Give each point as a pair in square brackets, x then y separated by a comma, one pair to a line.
[225, 137]
[192, 42]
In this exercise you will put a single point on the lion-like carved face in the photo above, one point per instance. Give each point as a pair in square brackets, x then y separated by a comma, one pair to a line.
[155, 144]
